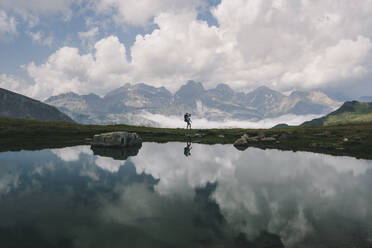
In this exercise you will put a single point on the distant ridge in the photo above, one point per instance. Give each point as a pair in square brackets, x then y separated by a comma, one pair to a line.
[349, 112]
[131, 104]
[281, 125]
[15, 105]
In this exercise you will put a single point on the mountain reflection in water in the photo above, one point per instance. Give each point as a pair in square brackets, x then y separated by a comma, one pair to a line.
[218, 197]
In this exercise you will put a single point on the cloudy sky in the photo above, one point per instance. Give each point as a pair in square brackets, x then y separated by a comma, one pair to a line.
[48, 47]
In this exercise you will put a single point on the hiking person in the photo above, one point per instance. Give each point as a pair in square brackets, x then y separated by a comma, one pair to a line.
[187, 120]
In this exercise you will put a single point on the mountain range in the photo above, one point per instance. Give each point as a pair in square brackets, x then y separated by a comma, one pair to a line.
[128, 103]
[13, 105]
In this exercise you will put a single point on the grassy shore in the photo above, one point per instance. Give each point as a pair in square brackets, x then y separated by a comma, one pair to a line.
[349, 140]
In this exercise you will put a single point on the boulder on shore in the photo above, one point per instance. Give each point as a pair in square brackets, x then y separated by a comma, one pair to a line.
[117, 139]
[243, 142]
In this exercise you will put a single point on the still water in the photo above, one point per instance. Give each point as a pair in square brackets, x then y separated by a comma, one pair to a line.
[183, 195]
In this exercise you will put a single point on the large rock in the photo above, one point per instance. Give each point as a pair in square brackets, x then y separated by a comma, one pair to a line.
[117, 139]
[243, 142]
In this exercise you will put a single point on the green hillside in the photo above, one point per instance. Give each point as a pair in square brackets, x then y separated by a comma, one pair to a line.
[349, 112]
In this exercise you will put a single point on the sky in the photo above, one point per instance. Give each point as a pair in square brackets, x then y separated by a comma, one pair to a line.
[49, 47]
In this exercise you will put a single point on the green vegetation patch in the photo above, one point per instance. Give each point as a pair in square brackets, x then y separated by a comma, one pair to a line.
[347, 118]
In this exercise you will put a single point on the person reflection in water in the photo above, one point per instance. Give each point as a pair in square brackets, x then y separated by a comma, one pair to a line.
[187, 149]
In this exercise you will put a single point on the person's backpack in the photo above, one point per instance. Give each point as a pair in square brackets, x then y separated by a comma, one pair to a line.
[186, 117]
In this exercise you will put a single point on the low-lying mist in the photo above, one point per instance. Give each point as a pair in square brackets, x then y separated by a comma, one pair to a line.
[178, 122]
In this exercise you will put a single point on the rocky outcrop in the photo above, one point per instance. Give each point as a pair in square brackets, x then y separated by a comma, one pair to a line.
[117, 139]
[243, 142]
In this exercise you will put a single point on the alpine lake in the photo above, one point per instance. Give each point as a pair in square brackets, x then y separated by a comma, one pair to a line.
[183, 195]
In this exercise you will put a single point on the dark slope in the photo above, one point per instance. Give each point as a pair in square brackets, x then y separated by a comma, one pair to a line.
[18, 106]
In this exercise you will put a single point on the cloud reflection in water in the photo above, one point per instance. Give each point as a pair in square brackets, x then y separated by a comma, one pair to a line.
[160, 194]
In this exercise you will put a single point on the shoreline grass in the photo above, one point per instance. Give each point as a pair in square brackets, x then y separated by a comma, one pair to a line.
[346, 140]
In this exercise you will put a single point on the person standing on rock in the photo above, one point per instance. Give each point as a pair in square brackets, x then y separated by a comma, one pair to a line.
[187, 118]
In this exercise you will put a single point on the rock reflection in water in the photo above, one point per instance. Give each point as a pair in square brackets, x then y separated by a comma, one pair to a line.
[117, 153]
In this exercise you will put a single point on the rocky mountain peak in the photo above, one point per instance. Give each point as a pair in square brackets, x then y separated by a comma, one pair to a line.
[192, 85]
[189, 93]
[224, 88]
[262, 90]
[222, 91]
[93, 96]
[263, 98]
[69, 95]
[298, 93]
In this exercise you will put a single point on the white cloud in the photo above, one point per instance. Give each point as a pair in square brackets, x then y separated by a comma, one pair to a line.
[35, 36]
[286, 44]
[7, 183]
[70, 154]
[8, 26]
[93, 32]
[9, 82]
[108, 164]
[14, 83]
[29, 12]
[177, 122]
[40, 38]
[140, 12]
[345, 61]
[67, 70]
[36, 7]
[182, 48]
[277, 37]
[259, 42]
[89, 36]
